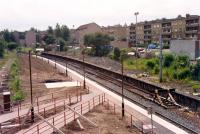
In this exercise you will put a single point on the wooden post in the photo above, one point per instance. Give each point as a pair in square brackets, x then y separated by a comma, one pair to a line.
[38, 130]
[108, 103]
[80, 96]
[65, 119]
[54, 106]
[44, 112]
[104, 97]
[53, 120]
[99, 99]
[89, 105]
[114, 108]
[69, 99]
[74, 113]
[131, 120]
[93, 102]
[52, 96]
[37, 101]
[81, 109]
[64, 105]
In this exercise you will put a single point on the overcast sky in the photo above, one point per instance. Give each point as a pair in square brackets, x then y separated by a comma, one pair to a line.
[23, 14]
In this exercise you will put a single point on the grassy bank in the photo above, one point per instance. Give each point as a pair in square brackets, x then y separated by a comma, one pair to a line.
[17, 93]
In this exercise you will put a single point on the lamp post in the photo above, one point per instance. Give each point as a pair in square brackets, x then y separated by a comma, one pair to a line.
[32, 108]
[136, 14]
[83, 58]
[122, 71]
[161, 59]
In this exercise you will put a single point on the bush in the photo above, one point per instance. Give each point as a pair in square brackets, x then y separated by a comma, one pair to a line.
[150, 64]
[166, 46]
[196, 71]
[12, 45]
[116, 53]
[156, 70]
[183, 61]
[183, 74]
[168, 60]
[18, 96]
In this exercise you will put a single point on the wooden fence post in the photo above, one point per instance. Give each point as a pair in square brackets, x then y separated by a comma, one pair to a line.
[89, 105]
[44, 112]
[114, 108]
[38, 130]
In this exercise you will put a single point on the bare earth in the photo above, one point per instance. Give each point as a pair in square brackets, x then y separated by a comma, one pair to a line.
[107, 122]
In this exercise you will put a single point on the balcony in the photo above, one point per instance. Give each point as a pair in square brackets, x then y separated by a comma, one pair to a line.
[166, 38]
[191, 31]
[166, 33]
[192, 24]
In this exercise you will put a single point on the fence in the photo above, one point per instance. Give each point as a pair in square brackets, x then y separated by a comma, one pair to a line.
[67, 116]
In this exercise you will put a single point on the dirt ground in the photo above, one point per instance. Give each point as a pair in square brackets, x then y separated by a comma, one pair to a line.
[108, 123]
[41, 72]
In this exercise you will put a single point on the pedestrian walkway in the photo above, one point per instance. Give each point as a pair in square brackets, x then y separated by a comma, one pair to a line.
[23, 112]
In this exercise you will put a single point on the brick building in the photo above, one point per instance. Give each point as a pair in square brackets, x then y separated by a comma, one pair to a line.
[177, 28]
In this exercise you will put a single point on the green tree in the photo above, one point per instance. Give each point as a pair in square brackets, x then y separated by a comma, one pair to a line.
[65, 32]
[99, 43]
[12, 45]
[50, 30]
[196, 71]
[49, 39]
[2, 45]
[8, 36]
[57, 31]
[116, 53]
[168, 60]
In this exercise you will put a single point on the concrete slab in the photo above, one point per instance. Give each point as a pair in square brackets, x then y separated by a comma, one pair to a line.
[61, 84]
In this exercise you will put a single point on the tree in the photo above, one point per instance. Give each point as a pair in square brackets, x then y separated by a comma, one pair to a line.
[168, 60]
[12, 45]
[116, 53]
[57, 31]
[50, 30]
[62, 43]
[2, 45]
[196, 71]
[8, 36]
[65, 32]
[99, 42]
[49, 39]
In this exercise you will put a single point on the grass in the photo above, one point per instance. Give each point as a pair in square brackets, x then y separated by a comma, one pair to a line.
[14, 84]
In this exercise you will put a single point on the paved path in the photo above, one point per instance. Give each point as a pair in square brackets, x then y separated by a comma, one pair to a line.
[162, 126]
[48, 106]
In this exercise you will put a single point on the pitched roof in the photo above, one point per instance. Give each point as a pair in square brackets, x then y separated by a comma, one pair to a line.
[86, 26]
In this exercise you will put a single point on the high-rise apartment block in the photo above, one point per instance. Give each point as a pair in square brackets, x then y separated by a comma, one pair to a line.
[177, 28]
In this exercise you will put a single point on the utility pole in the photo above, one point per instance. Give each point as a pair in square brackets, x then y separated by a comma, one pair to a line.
[122, 71]
[161, 59]
[136, 14]
[83, 56]
[32, 108]
[66, 69]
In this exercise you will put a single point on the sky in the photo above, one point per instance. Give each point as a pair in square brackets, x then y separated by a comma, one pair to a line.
[23, 14]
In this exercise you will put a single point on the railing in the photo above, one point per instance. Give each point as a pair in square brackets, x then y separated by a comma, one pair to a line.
[132, 119]
[67, 116]
[48, 109]
[18, 106]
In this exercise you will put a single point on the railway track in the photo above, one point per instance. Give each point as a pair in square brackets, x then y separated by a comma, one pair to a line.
[134, 94]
